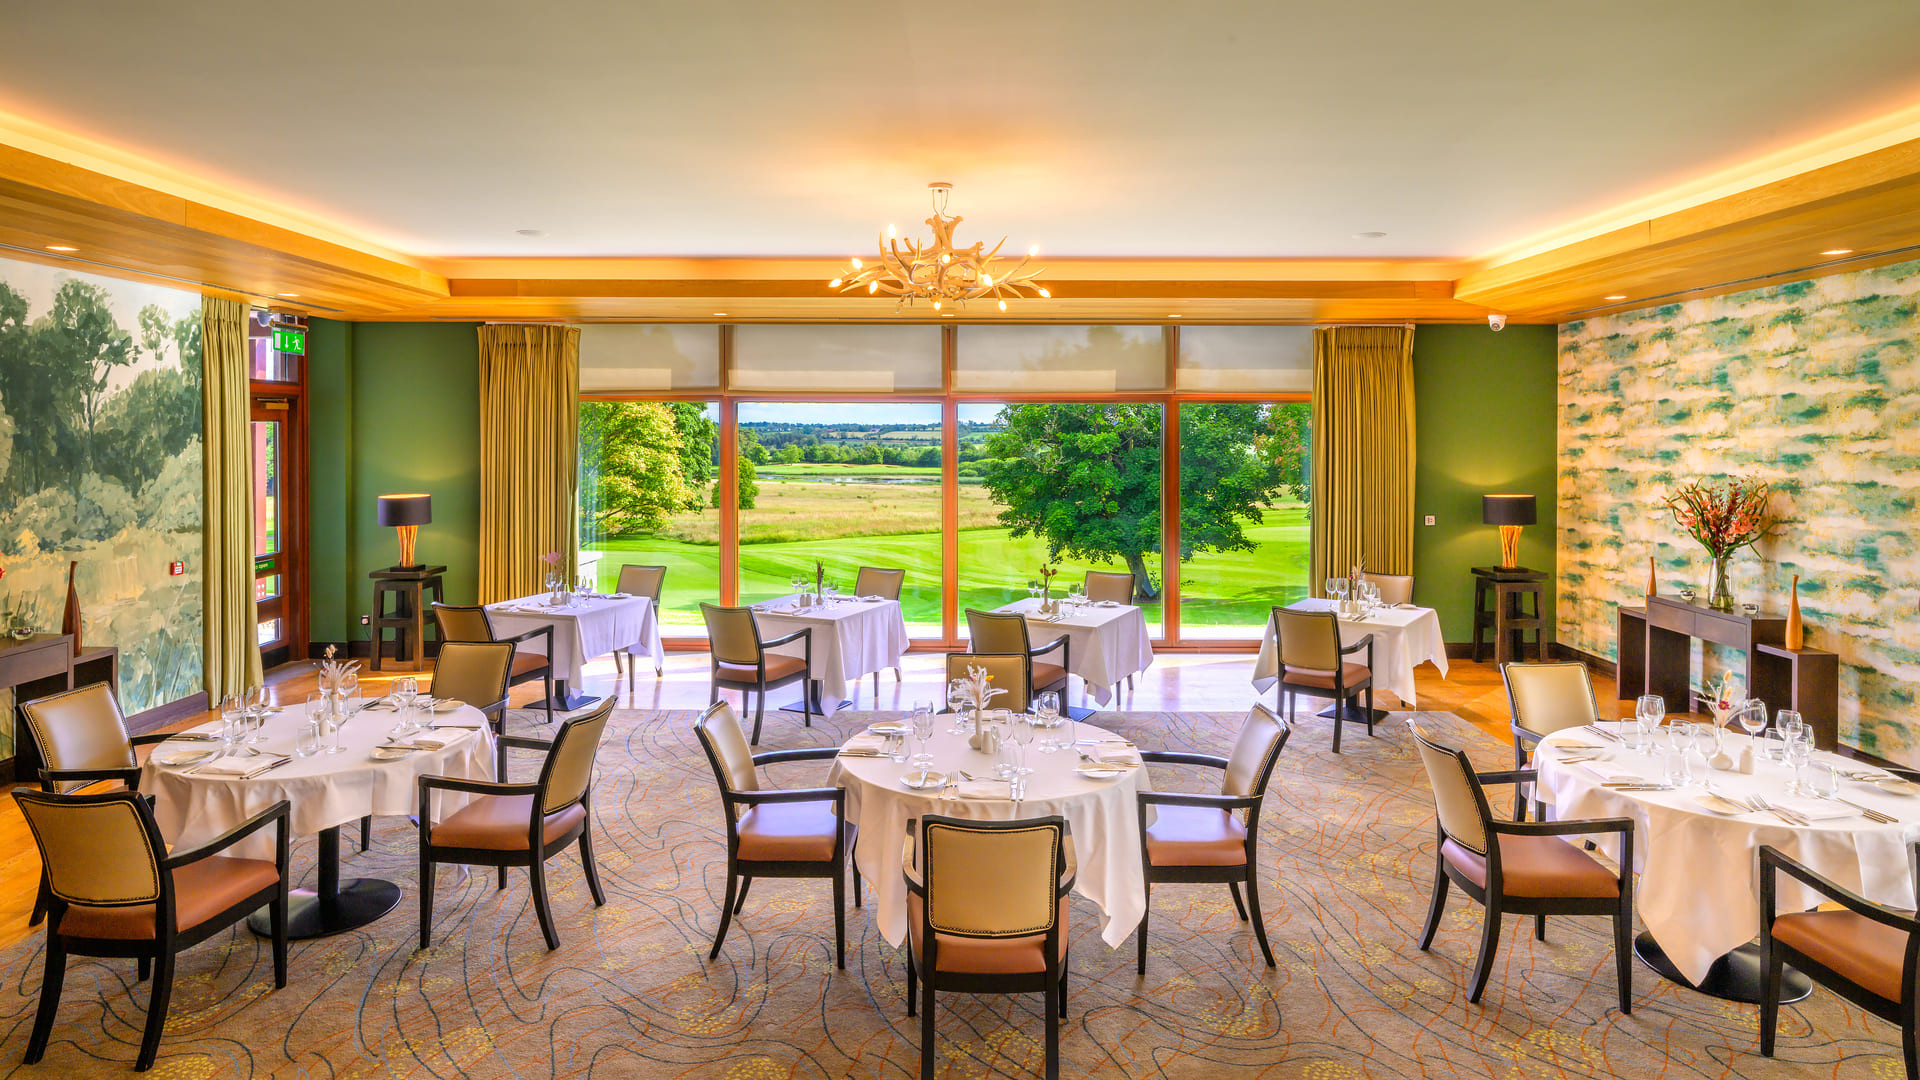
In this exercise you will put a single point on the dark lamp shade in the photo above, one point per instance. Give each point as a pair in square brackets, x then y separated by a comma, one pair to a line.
[1506, 510]
[406, 510]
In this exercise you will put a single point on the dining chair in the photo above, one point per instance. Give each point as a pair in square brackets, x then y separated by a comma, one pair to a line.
[82, 740]
[1007, 670]
[1865, 952]
[1198, 838]
[1103, 585]
[637, 580]
[116, 891]
[987, 914]
[783, 833]
[741, 661]
[1394, 588]
[470, 623]
[477, 673]
[884, 583]
[509, 824]
[1313, 662]
[1006, 632]
[1545, 698]
[1520, 867]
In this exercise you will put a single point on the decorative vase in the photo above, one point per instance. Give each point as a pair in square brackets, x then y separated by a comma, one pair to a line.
[984, 738]
[1796, 630]
[70, 618]
[1720, 595]
[1653, 581]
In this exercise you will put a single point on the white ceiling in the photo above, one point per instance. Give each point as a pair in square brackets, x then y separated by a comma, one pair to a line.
[741, 127]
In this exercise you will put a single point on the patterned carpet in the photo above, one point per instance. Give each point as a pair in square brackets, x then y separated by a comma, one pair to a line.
[1348, 860]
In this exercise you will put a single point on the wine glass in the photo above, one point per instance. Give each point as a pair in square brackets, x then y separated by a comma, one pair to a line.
[233, 712]
[956, 703]
[921, 724]
[1752, 718]
[307, 741]
[348, 706]
[1790, 721]
[1046, 710]
[405, 692]
[1706, 742]
[257, 702]
[1798, 752]
[1019, 737]
[1649, 710]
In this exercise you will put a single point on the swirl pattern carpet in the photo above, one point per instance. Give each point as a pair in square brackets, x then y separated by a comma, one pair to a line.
[1348, 860]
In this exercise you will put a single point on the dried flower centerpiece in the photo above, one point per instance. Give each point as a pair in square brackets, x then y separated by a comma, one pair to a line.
[978, 693]
[1723, 517]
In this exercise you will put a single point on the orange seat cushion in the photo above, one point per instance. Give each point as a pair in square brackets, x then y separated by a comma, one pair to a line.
[1537, 866]
[201, 890]
[527, 664]
[1352, 677]
[1195, 836]
[1864, 952]
[778, 667]
[788, 832]
[1045, 675]
[499, 823]
[985, 956]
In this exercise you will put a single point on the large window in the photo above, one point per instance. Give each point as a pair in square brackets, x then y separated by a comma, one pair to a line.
[1243, 514]
[649, 484]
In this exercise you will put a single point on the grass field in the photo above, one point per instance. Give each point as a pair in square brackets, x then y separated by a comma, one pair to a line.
[802, 470]
[846, 526]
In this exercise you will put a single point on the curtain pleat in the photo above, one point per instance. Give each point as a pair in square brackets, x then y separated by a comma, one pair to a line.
[529, 419]
[232, 660]
[1363, 451]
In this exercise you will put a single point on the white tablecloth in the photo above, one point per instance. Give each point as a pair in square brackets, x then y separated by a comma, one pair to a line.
[325, 790]
[1106, 644]
[1403, 639]
[1103, 815]
[851, 638]
[1699, 889]
[582, 630]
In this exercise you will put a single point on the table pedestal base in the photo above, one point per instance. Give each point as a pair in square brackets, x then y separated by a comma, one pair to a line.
[1356, 713]
[820, 703]
[1734, 977]
[563, 700]
[332, 906]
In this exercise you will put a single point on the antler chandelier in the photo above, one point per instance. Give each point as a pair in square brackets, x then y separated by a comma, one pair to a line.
[939, 272]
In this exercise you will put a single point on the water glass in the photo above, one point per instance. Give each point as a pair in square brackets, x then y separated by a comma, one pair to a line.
[1775, 748]
[1798, 753]
[307, 741]
[1823, 779]
[1676, 768]
[405, 692]
[1046, 713]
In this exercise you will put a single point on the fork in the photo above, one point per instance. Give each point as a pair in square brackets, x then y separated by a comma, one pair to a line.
[1787, 816]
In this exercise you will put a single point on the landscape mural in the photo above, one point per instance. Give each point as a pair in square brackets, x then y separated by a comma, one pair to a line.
[100, 410]
[1812, 386]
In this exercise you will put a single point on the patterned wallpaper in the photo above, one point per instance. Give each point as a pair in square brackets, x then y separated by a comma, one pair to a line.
[1814, 386]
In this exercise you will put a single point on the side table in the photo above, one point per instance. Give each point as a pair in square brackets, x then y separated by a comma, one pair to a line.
[408, 586]
[1508, 587]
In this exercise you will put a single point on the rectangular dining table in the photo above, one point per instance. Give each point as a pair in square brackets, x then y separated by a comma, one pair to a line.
[851, 638]
[1403, 639]
[1107, 641]
[583, 628]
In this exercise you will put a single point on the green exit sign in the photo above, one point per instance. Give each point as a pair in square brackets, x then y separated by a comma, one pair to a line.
[290, 341]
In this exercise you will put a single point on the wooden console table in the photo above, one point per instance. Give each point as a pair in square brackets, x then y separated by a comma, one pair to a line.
[40, 665]
[1656, 657]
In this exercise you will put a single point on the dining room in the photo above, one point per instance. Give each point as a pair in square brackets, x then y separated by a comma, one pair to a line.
[743, 541]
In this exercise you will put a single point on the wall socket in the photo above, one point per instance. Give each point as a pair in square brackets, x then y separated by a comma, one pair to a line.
[363, 620]
[1429, 519]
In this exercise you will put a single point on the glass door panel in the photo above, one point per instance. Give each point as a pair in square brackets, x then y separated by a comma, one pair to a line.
[1243, 514]
[649, 477]
[268, 437]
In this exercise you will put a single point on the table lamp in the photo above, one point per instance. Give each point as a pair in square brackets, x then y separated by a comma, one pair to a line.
[1510, 512]
[406, 513]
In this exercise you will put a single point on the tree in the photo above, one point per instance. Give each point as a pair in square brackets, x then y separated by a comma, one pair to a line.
[1085, 479]
[87, 337]
[639, 483]
[747, 480]
[695, 433]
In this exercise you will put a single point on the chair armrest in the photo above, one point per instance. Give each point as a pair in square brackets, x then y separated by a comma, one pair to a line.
[1564, 828]
[1772, 862]
[836, 795]
[529, 635]
[521, 742]
[915, 884]
[474, 787]
[1218, 802]
[775, 757]
[1056, 643]
[1532, 738]
[1365, 642]
[803, 632]
[276, 812]
[1509, 776]
[151, 737]
[1176, 757]
[129, 775]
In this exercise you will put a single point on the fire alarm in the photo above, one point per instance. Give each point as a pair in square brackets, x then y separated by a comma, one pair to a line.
[176, 568]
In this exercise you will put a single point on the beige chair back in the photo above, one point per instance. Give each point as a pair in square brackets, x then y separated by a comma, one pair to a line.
[732, 634]
[991, 882]
[1307, 641]
[637, 580]
[1394, 588]
[1254, 754]
[879, 581]
[80, 729]
[101, 850]
[1551, 697]
[997, 632]
[1103, 585]
[475, 672]
[460, 622]
[569, 767]
[727, 749]
[1456, 792]
[1008, 672]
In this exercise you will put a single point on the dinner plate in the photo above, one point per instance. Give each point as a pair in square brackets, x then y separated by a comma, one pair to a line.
[445, 706]
[1106, 603]
[889, 727]
[184, 757]
[388, 753]
[1896, 786]
[1722, 806]
[916, 780]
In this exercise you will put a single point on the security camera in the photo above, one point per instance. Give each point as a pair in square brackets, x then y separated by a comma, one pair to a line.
[1497, 322]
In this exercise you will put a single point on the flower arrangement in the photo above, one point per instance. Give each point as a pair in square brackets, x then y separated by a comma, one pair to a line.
[1724, 697]
[979, 688]
[335, 674]
[1047, 573]
[552, 559]
[1724, 516]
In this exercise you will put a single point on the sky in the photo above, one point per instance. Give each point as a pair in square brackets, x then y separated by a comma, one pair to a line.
[864, 412]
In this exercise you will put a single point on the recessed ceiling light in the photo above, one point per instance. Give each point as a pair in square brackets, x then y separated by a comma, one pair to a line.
[531, 232]
[61, 247]
[1838, 251]
[1173, 316]
[722, 314]
[289, 295]
[1368, 235]
[946, 314]
[1615, 296]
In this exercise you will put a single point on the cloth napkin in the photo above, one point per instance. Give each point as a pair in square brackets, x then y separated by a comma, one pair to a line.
[1607, 770]
[864, 746]
[1813, 809]
[416, 744]
[1115, 754]
[983, 789]
[241, 765]
[457, 725]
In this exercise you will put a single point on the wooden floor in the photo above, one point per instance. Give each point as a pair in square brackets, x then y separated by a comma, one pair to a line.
[1198, 682]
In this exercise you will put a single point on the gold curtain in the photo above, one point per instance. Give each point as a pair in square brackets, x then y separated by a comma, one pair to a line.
[232, 661]
[1362, 451]
[529, 416]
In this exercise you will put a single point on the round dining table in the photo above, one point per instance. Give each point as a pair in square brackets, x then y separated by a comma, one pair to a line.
[1699, 889]
[1102, 816]
[197, 800]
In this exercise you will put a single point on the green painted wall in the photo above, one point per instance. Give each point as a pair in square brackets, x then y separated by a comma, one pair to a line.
[395, 408]
[1485, 418]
